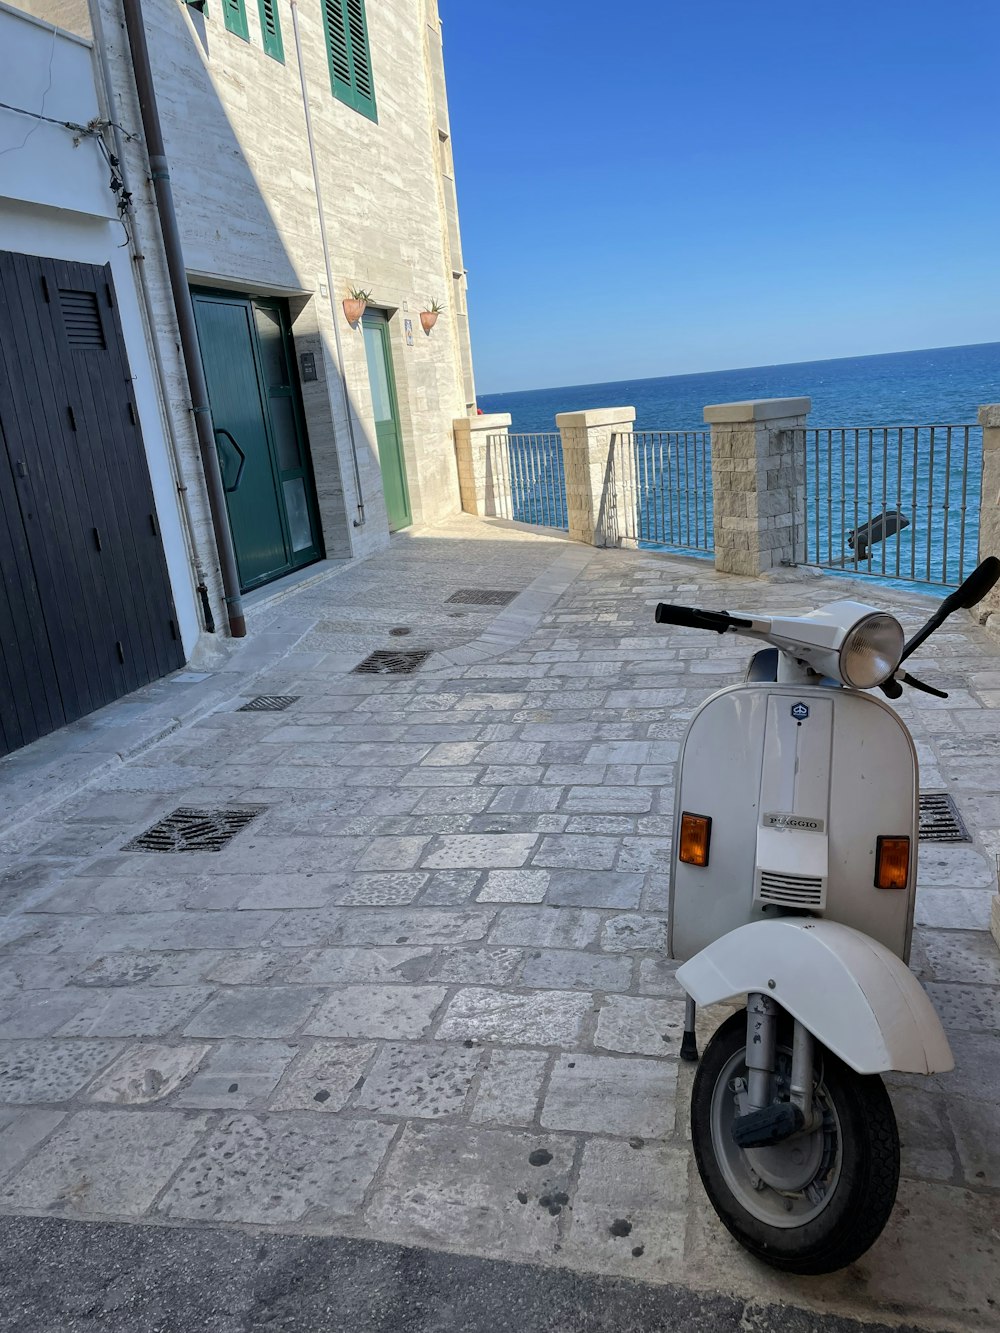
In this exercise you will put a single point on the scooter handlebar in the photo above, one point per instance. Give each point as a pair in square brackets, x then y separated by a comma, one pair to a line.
[693, 618]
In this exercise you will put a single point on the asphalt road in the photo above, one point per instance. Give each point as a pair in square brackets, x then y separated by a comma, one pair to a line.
[75, 1277]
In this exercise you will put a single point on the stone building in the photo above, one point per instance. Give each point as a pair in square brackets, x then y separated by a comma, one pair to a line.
[308, 153]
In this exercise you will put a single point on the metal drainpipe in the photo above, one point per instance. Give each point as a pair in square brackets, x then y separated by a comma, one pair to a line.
[160, 174]
[146, 306]
[360, 520]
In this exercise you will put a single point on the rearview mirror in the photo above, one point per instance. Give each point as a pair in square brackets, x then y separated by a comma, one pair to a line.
[975, 587]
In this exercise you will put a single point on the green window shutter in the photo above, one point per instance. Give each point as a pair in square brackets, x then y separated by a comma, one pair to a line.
[270, 28]
[349, 54]
[236, 18]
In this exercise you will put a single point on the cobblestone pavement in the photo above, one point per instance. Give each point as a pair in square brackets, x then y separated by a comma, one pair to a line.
[422, 996]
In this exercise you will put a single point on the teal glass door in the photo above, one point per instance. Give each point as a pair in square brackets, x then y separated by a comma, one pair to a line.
[387, 433]
[259, 434]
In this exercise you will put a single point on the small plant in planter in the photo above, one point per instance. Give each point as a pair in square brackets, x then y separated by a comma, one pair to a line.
[354, 305]
[428, 318]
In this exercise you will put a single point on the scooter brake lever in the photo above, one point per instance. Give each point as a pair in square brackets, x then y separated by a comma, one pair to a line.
[919, 685]
[891, 688]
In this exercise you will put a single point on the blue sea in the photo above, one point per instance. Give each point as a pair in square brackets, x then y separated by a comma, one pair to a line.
[943, 384]
[925, 477]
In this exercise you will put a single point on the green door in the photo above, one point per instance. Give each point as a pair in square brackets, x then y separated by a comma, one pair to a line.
[387, 436]
[259, 433]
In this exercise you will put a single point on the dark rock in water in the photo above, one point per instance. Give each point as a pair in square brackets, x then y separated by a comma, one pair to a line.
[620, 1227]
[540, 1157]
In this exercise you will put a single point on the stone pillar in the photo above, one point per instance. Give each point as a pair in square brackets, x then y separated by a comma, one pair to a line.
[989, 508]
[481, 454]
[758, 482]
[598, 496]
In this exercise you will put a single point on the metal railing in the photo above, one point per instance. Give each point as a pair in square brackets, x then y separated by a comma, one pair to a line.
[663, 484]
[899, 502]
[525, 477]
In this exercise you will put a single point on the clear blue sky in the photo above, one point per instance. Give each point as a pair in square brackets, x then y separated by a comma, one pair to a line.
[668, 186]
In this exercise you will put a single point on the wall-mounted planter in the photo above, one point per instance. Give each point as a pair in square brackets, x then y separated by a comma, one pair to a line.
[428, 318]
[353, 309]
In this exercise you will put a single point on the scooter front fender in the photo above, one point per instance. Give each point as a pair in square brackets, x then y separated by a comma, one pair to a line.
[858, 999]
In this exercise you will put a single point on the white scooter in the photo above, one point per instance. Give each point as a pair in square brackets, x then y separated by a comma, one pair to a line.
[792, 886]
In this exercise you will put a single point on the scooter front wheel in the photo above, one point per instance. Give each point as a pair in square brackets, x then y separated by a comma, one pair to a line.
[817, 1201]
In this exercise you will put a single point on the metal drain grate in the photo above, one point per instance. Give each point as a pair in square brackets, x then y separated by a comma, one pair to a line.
[386, 662]
[940, 820]
[269, 703]
[188, 830]
[482, 596]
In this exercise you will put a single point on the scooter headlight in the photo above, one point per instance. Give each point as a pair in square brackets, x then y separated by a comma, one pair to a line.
[871, 651]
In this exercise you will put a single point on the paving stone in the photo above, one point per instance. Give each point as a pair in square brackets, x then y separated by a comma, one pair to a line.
[466, 966]
[549, 1018]
[323, 1078]
[644, 1187]
[967, 1008]
[38, 1013]
[924, 1132]
[603, 1094]
[658, 976]
[612, 825]
[450, 888]
[954, 866]
[546, 927]
[572, 969]
[381, 890]
[21, 1132]
[510, 1087]
[974, 1128]
[614, 800]
[463, 1191]
[594, 888]
[453, 800]
[574, 775]
[135, 1011]
[640, 1026]
[421, 1081]
[50, 1070]
[481, 851]
[106, 1163]
[962, 955]
[238, 1073]
[387, 926]
[391, 854]
[626, 932]
[255, 1011]
[147, 1073]
[953, 909]
[514, 886]
[451, 754]
[527, 800]
[279, 1169]
[376, 1011]
[645, 854]
[338, 967]
[510, 752]
[578, 852]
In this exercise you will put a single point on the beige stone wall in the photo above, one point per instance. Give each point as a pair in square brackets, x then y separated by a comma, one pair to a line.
[758, 482]
[235, 133]
[989, 513]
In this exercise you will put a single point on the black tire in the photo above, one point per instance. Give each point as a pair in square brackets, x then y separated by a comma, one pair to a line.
[860, 1200]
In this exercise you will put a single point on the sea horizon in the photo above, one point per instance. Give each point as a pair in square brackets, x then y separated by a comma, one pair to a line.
[937, 384]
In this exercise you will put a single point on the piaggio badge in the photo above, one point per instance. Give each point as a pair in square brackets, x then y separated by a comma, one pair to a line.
[800, 712]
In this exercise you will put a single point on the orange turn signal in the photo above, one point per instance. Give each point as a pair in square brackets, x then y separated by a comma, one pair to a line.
[892, 863]
[696, 834]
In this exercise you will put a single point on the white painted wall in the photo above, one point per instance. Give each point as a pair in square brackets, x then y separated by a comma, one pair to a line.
[55, 202]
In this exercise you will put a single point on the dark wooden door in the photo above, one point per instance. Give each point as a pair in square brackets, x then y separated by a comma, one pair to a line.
[259, 432]
[88, 614]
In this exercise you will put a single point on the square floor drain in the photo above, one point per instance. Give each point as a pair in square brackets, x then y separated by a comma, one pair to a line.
[269, 703]
[189, 830]
[940, 820]
[387, 663]
[482, 596]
